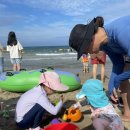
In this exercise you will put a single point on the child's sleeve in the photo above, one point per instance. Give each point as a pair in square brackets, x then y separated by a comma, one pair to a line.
[48, 106]
[81, 103]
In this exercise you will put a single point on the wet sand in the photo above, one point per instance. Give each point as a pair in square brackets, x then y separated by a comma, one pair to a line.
[9, 99]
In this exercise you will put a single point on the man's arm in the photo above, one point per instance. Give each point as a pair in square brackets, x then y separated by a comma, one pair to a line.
[118, 66]
[121, 77]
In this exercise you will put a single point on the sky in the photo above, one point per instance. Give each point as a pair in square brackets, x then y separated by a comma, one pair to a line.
[49, 22]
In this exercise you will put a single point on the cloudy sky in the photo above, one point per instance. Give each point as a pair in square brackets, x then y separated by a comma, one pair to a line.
[49, 22]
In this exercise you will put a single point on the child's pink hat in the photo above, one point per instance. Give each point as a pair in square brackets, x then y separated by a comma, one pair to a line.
[52, 80]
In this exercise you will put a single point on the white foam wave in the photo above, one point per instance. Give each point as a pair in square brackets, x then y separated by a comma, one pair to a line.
[45, 58]
[54, 54]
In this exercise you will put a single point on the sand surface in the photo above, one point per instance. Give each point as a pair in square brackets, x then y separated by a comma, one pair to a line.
[9, 99]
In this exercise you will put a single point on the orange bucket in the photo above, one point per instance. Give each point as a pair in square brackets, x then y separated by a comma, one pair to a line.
[62, 126]
[74, 114]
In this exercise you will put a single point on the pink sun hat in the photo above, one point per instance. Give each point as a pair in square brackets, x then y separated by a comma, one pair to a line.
[52, 80]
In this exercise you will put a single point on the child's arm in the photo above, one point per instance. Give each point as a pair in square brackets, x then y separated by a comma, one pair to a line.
[48, 106]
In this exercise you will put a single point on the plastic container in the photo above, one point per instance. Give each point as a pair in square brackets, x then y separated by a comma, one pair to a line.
[74, 114]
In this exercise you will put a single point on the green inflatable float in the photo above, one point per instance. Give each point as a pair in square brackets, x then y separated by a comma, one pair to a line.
[25, 80]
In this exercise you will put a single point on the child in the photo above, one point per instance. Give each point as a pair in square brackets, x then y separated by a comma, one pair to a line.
[85, 61]
[15, 49]
[103, 114]
[33, 104]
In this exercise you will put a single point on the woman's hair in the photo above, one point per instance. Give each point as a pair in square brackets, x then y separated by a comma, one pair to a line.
[12, 39]
[99, 21]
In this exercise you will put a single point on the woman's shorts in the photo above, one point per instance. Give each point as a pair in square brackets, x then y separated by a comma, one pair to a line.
[101, 60]
[16, 60]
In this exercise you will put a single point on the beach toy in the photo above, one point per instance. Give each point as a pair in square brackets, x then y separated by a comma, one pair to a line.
[62, 126]
[55, 121]
[73, 114]
[25, 80]
[65, 117]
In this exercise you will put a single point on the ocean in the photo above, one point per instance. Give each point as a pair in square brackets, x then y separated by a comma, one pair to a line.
[50, 56]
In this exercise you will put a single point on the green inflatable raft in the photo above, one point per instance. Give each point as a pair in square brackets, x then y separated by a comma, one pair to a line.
[25, 80]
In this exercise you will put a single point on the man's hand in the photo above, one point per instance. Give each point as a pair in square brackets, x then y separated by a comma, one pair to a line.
[114, 96]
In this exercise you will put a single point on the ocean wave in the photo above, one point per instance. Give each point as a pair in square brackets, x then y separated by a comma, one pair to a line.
[54, 54]
[45, 58]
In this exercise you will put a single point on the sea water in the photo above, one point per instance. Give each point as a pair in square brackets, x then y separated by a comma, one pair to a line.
[49, 56]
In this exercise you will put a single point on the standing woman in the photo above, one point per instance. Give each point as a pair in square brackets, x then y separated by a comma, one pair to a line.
[15, 49]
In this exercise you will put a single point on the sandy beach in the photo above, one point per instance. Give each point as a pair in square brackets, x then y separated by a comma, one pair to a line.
[9, 100]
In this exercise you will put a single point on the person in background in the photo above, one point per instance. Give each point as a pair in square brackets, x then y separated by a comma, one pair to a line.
[85, 61]
[114, 40]
[15, 49]
[33, 105]
[1, 59]
[96, 59]
[100, 57]
[103, 114]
